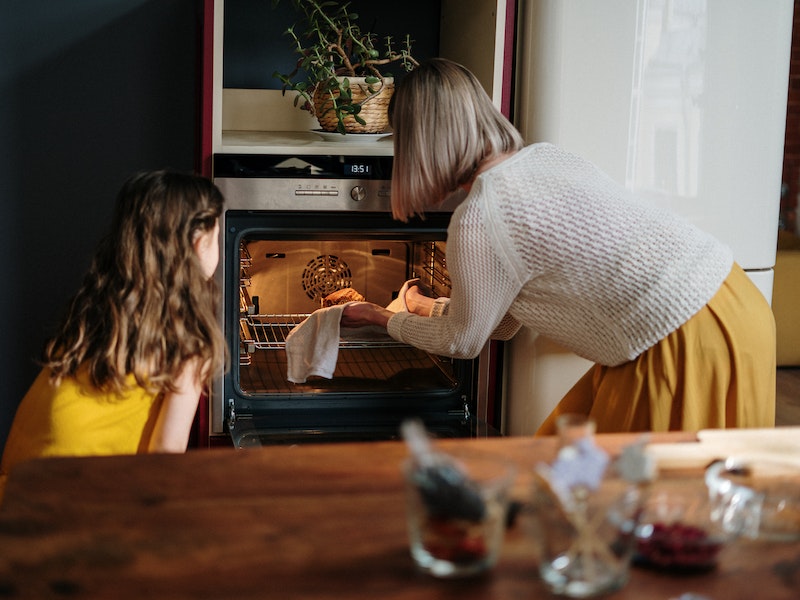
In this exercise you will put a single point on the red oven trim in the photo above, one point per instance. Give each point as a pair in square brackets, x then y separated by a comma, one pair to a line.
[206, 79]
[200, 437]
[508, 58]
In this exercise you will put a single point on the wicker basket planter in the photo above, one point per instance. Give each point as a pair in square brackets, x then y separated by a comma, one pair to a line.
[374, 106]
[332, 51]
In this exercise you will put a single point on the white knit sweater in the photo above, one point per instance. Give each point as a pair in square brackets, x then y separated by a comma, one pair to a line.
[546, 240]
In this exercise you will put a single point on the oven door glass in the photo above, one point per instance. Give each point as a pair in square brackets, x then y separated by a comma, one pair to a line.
[281, 267]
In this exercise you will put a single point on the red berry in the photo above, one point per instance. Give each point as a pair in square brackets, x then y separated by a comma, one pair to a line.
[470, 549]
[677, 544]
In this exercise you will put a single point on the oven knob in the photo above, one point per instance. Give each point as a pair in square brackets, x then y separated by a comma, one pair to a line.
[358, 193]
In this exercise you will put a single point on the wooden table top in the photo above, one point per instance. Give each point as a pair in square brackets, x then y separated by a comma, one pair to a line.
[312, 521]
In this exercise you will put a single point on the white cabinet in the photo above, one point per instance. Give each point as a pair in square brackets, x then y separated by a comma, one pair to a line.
[684, 103]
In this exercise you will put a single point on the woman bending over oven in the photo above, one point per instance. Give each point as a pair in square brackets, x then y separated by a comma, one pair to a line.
[680, 337]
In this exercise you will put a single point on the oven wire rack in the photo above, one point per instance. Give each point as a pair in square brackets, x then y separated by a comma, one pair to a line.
[268, 332]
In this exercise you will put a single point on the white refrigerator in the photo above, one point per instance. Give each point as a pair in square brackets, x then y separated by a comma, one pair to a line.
[682, 101]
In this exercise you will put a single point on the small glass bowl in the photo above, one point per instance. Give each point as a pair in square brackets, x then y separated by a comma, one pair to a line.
[759, 499]
[676, 531]
[457, 509]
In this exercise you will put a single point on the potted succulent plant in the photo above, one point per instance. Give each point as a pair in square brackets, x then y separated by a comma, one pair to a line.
[339, 76]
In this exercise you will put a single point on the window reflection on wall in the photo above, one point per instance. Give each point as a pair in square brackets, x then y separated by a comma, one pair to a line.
[668, 85]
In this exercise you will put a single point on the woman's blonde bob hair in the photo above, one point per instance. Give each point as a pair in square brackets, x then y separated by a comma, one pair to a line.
[445, 126]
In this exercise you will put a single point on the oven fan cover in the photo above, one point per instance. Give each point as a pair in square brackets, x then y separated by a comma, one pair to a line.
[324, 275]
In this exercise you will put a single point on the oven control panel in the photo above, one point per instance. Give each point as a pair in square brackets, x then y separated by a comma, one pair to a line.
[290, 182]
[304, 182]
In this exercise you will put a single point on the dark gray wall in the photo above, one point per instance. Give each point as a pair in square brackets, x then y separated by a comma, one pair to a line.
[256, 44]
[90, 92]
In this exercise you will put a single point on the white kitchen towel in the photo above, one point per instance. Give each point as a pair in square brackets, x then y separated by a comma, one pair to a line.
[312, 347]
[399, 303]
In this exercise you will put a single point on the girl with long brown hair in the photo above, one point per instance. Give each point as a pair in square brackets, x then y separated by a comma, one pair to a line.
[140, 340]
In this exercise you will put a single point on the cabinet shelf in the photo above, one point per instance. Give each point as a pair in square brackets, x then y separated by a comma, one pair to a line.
[288, 142]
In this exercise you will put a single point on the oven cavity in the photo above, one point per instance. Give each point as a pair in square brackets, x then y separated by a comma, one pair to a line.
[275, 296]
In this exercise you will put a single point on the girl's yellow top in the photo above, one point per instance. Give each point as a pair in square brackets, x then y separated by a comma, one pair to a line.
[76, 419]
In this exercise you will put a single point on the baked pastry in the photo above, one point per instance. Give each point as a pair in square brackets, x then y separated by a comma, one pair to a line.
[342, 297]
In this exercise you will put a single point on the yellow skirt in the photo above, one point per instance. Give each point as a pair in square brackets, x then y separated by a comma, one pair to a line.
[716, 371]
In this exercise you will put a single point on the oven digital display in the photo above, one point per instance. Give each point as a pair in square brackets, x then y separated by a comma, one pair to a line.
[303, 166]
[356, 169]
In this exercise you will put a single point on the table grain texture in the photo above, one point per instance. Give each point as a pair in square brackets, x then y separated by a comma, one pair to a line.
[285, 522]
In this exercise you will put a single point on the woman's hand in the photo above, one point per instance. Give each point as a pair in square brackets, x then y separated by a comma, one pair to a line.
[361, 314]
[417, 302]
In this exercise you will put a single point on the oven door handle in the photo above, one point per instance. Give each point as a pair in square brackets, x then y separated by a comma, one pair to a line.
[231, 415]
[463, 414]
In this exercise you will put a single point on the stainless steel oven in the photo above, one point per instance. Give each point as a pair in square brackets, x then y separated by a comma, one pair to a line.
[296, 228]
